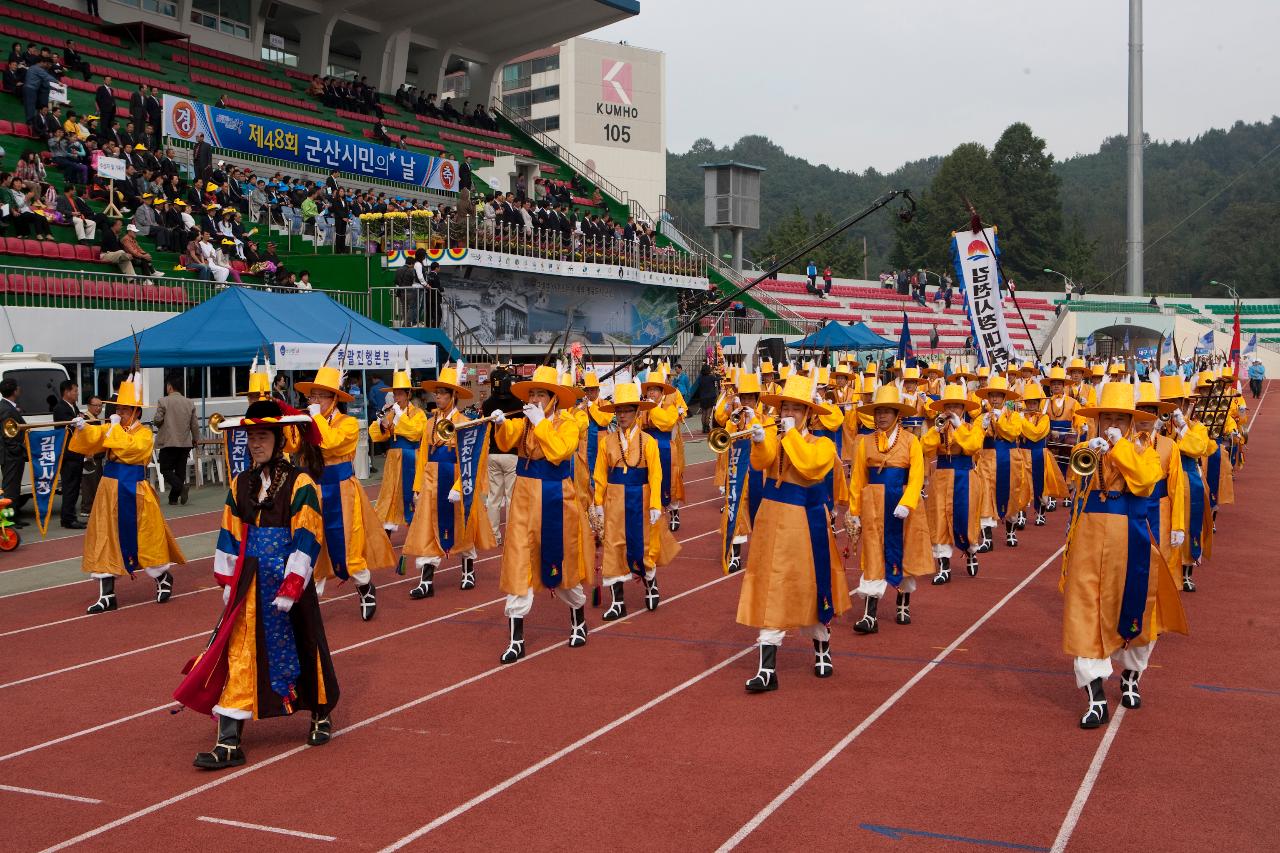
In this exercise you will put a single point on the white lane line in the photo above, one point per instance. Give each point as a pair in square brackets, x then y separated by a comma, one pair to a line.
[1086, 786]
[296, 833]
[89, 731]
[368, 721]
[17, 569]
[53, 794]
[89, 663]
[831, 754]
[556, 756]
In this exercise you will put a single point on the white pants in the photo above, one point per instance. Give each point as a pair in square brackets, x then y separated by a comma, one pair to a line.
[773, 637]
[649, 575]
[1131, 657]
[152, 571]
[423, 562]
[739, 540]
[518, 606]
[502, 479]
[361, 578]
[86, 229]
[877, 589]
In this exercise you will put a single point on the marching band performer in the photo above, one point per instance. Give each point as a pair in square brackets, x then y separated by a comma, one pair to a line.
[127, 530]
[720, 416]
[592, 420]
[1006, 486]
[1061, 409]
[1108, 599]
[269, 656]
[438, 527]
[400, 423]
[744, 412]
[955, 500]
[663, 423]
[1216, 475]
[826, 420]
[794, 577]
[1047, 482]
[857, 422]
[935, 381]
[354, 541]
[884, 494]
[908, 387]
[627, 504]
[543, 546]
[1194, 446]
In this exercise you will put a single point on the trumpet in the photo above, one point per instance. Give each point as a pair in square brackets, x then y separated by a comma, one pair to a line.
[719, 439]
[12, 429]
[445, 430]
[215, 422]
[1084, 461]
[940, 422]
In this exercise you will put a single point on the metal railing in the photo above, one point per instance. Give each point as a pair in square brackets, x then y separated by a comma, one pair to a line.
[27, 287]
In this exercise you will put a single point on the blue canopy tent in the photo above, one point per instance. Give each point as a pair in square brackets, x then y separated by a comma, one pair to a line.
[233, 327]
[835, 336]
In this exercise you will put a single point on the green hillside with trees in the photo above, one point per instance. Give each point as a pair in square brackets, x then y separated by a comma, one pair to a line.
[1212, 210]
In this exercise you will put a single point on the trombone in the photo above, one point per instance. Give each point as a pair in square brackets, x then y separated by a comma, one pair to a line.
[445, 430]
[12, 429]
[1084, 461]
[720, 439]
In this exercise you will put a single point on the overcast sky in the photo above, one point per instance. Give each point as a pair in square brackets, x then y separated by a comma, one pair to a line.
[875, 83]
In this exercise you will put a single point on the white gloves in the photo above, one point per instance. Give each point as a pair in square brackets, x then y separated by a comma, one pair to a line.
[654, 515]
[498, 417]
[396, 413]
[787, 424]
[957, 421]
[597, 512]
[115, 420]
[1176, 538]
[1179, 418]
[226, 595]
[721, 490]
[901, 511]
[389, 399]
[986, 421]
[757, 434]
[1113, 435]
[1099, 445]
[534, 414]
[454, 496]
[78, 423]
[283, 604]
[314, 410]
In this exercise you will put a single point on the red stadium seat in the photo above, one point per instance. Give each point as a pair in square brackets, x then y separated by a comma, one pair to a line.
[31, 248]
[17, 282]
[49, 249]
[86, 253]
[67, 251]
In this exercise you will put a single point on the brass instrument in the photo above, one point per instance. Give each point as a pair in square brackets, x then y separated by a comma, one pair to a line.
[1213, 407]
[720, 439]
[446, 429]
[12, 429]
[1084, 462]
[940, 422]
[215, 422]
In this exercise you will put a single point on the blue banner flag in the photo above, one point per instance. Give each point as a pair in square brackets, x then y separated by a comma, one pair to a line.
[1250, 348]
[905, 351]
[44, 452]
[1204, 344]
[264, 137]
[473, 450]
[739, 456]
[235, 452]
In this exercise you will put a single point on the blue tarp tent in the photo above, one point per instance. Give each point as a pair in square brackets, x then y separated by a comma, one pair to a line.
[232, 327]
[835, 336]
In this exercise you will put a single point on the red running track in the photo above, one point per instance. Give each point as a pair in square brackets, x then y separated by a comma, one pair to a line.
[645, 737]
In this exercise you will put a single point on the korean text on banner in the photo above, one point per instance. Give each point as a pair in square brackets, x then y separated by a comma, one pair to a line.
[44, 451]
[473, 451]
[111, 168]
[235, 449]
[235, 131]
[974, 256]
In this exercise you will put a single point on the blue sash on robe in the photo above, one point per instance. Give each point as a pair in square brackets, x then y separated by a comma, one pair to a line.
[1195, 514]
[664, 453]
[960, 466]
[408, 469]
[894, 481]
[335, 534]
[1037, 466]
[1060, 426]
[829, 481]
[271, 547]
[812, 499]
[736, 479]
[127, 478]
[593, 444]
[1004, 475]
[1133, 603]
[445, 459]
[551, 537]
[1214, 475]
[633, 481]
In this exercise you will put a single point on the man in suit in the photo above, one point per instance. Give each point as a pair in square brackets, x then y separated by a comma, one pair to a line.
[72, 60]
[138, 110]
[13, 454]
[105, 101]
[177, 431]
[152, 105]
[202, 157]
[72, 469]
[91, 471]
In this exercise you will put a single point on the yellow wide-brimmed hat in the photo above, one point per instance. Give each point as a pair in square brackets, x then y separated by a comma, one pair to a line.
[260, 383]
[998, 384]
[843, 368]
[400, 381]
[1098, 370]
[1115, 397]
[130, 393]
[448, 380]
[1117, 368]
[749, 383]
[954, 392]
[1058, 373]
[766, 366]
[545, 378]
[1032, 392]
[934, 369]
[887, 397]
[963, 374]
[871, 369]
[627, 394]
[1173, 388]
[327, 379]
[1147, 396]
[589, 379]
[657, 378]
[798, 389]
[910, 373]
[1078, 364]
[1206, 379]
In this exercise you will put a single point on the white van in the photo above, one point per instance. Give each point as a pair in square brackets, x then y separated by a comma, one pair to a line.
[38, 376]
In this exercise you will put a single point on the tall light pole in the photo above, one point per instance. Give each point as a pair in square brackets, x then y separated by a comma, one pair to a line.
[1234, 294]
[1064, 277]
[1133, 279]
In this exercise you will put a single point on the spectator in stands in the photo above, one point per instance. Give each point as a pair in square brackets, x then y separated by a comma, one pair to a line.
[113, 251]
[36, 85]
[14, 78]
[447, 110]
[201, 157]
[144, 218]
[43, 124]
[104, 100]
[138, 110]
[340, 211]
[17, 55]
[26, 221]
[30, 167]
[431, 108]
[140, 258]
[826, 279]
[1257, 375]
[91, 6]
[193, 260]
[303, 281]
[310, 210]
[479, 118]
[153, 110]
[73, 61]
[812, 272]
[76, 211]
